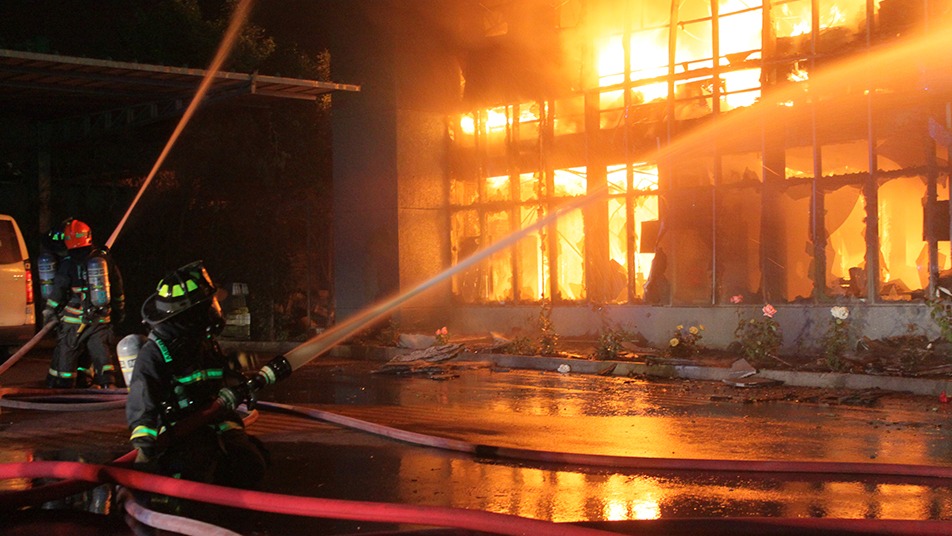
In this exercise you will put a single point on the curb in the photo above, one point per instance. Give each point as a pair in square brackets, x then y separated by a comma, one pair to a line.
[674, 370]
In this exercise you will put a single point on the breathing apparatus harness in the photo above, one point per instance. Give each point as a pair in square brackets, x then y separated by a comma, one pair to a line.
[181, 309]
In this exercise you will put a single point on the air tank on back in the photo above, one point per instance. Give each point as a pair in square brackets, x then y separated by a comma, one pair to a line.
[97, 276]
[46, 268]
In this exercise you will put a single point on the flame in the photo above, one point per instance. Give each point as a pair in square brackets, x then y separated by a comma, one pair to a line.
[798, 74]
[792, 19]
[648, 51]
[611, 62]
[496, 119]
[736, 81]
[467, 123]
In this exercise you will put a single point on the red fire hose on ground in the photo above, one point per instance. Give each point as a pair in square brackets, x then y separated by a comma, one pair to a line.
[424, 515]
[79, 476]
[294, 505]
[28, 346]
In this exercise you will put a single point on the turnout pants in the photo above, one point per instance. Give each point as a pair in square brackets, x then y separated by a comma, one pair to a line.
[75, 340]
[229, 458]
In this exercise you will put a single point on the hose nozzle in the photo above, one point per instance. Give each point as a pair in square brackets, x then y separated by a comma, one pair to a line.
[276, 369]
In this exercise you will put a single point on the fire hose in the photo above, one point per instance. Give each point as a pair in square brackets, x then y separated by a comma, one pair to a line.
[49, 492]
[241, 13]
[62, 399]
[294, 505]
[83, 474]
[627, 462]
[29, 345]
[167, 522]
[391, 513]
[413, 514]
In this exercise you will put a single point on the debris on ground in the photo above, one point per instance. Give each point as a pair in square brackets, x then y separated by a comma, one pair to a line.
[415, 341]
[428, 362]
[742, 369]
[431, 354]
[866, 398]
[434, 371]
[750, 381]
[672, 361]
[911, 354]
[934, 371]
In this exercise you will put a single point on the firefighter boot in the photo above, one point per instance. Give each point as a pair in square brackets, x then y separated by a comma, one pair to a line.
[61, 380]
[84, 378]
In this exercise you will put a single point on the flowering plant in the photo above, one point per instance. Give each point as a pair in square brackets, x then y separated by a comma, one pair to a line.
[442, 336]
[685, 341]
[837, 337]
[760, 338]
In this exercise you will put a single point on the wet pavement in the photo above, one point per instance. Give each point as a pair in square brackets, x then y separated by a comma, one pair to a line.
[548, 411]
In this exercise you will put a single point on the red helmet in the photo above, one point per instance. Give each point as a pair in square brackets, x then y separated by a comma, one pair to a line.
[77, 235]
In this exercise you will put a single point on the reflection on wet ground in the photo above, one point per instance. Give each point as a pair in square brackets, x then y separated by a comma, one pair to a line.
[633, 417]
[551, 411]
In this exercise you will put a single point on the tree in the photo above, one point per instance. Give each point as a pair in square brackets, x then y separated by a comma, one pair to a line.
[225, 193]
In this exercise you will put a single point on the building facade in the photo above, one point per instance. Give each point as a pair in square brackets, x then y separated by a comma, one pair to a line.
[719, 155]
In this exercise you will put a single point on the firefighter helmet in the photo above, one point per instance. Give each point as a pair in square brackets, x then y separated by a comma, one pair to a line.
[55, 239]
[77, 234]
[180, 290]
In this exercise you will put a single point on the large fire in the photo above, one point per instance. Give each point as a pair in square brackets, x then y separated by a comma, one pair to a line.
[718, 67]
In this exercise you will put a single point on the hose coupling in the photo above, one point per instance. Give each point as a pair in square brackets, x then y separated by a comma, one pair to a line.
[276, 369]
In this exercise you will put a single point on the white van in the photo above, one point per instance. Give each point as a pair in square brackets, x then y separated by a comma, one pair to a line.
[17, 310]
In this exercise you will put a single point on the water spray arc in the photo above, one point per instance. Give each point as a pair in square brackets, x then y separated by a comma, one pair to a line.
[889, 64]
[238, 19]
[282, 366]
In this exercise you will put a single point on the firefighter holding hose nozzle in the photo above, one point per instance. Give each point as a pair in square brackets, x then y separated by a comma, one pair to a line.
[179, 371]
[86, 295]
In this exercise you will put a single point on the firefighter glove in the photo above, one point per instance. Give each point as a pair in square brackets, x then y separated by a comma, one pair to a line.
[146, 448]
[48, 315]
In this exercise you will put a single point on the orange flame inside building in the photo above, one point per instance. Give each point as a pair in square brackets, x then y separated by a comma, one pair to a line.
[779, 216]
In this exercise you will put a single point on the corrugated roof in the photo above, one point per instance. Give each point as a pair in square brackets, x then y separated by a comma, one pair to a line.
[46, 86]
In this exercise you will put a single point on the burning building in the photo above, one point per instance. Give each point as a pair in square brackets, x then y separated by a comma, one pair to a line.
[727, 154]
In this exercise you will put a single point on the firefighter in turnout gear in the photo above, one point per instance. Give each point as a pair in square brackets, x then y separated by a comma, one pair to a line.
[87, 296]
[53, 251]
[178, 371]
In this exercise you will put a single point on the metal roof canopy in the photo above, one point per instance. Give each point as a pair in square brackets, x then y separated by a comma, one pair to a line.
[52, 87]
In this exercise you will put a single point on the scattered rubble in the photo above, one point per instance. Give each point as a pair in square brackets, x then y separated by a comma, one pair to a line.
[431, 354]
[751, 381]
[909, 355]
[427, 361]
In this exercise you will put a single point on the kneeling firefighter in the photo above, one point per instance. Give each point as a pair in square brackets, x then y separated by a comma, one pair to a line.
[180, 370]
[86, 295]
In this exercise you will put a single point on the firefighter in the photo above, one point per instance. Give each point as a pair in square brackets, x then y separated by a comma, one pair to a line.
[87, 296]
[180, 370]
[53, 251]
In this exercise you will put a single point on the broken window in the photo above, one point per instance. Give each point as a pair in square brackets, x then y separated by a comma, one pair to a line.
[738, 223]
[779, 216]
[845, 224]
[904, 260]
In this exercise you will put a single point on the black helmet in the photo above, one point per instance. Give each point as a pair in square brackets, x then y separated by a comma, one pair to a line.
[55, 239]
[179, 291]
